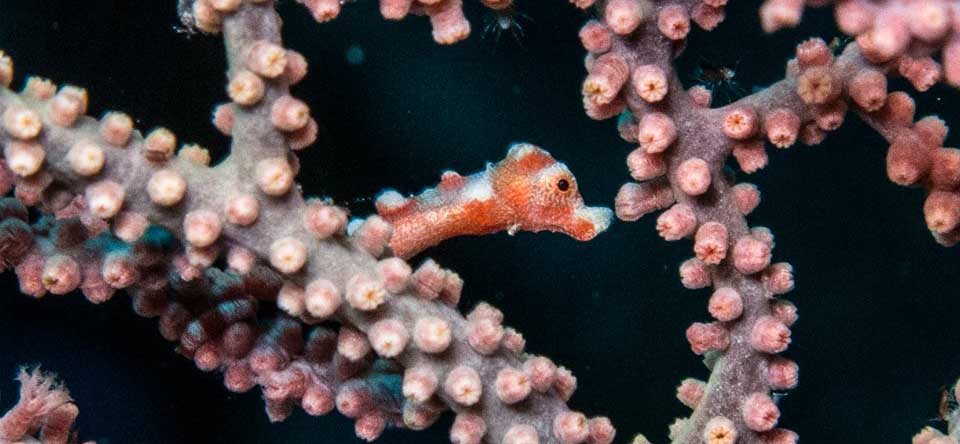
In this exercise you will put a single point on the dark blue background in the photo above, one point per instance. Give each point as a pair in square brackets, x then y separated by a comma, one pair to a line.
[877, 336]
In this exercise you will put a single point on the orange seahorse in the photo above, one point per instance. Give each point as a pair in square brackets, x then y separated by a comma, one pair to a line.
[528, 190]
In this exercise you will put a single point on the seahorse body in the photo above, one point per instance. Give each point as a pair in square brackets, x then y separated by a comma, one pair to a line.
[528, 190]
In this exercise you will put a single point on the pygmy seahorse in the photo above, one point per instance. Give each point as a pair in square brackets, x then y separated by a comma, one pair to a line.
[528, 190]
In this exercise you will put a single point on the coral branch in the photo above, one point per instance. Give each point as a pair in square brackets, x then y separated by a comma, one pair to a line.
[683, 166]
[740, 347]
[91, 174]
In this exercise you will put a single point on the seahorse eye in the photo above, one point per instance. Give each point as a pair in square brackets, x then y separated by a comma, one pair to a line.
[563, 185]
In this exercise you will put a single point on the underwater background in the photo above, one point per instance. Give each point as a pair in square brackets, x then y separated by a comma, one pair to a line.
[879, 301]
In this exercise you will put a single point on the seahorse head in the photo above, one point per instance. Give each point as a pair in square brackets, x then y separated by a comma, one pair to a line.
[543, 194]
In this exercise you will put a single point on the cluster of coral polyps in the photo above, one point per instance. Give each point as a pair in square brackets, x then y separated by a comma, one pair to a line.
[446, 16]
[43, 414]
[375, 339]
[902, 38]
[683, 145]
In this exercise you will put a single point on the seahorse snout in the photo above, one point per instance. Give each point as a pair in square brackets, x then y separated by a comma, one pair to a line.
[588, 222]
